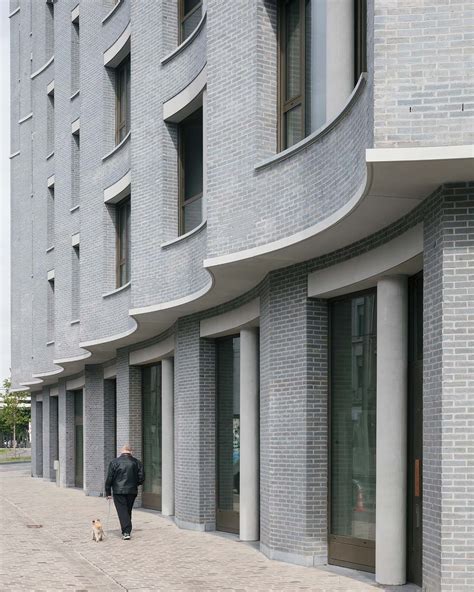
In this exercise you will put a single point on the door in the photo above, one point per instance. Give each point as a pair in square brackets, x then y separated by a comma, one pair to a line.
[78, 439]
[352, 412]
[415, 431]
[228, 434]
[151, 401]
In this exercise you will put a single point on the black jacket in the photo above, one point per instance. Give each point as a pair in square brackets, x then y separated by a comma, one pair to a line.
[125, 474]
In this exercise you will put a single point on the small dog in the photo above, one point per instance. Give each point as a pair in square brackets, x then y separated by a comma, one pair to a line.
[97, 531]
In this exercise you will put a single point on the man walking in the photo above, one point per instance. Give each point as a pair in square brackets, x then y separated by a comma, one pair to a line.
[124, 476]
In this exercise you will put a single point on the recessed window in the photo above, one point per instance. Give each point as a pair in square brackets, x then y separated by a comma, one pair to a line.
[50, 310]
[190, 172]
[123, 242]
[322, 52]
[75, 57]
[50, 217]
[190, 13]
[76, 283]
[50, 124]
[122, 105]
[49, 29]
[75, 169]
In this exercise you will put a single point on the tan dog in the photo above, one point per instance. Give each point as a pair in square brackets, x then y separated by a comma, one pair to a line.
[97, 531]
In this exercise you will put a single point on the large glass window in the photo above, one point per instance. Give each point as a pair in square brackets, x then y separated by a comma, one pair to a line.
[228, 433]
[122, 108]
[190, 13]
[353, 435]
[191, 171]
[78, 439]
[152, 436]
[123, 242]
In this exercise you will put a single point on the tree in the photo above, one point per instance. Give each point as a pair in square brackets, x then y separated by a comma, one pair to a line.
[15, 414]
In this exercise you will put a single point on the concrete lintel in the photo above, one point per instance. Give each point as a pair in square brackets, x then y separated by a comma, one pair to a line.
[76, 383]
[153, 353]
[229, 322]
[118, 50]
[186, 101]
[110, 371]
[120, 189]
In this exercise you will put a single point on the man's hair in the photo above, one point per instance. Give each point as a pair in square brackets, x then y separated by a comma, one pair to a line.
[127, 449]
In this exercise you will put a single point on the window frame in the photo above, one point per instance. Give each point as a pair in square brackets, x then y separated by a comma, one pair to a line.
[286, 105]
[122, 80]
[121, 262]
[182, 18]
[181, 176]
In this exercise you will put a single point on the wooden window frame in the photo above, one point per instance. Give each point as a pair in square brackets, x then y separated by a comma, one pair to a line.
[181, 181]
[285, 105]
[122, 78]
[122, 261]
[182, 18]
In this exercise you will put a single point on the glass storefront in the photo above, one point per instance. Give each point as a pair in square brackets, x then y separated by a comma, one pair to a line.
[228, 433]
[353, 434]
[78, 439]
[151, 401]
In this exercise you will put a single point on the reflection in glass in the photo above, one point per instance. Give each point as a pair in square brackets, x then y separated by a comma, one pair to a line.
[151, 394]
[294, 125]
[78, 440]
[353, 416]
[228, 433]
[293, 49]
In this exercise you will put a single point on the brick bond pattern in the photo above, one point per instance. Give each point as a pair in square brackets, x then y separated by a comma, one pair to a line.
[293, 331]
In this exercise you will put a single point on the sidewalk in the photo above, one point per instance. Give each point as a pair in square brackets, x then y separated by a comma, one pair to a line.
[160, 557]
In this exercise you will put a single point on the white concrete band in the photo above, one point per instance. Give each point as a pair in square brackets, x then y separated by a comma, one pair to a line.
[118, 50]
[392, 365]
[187, 100]
[249, 436]
[167, 434]
[231, 321]
[152, 353]
[76, 383]
[110, 371]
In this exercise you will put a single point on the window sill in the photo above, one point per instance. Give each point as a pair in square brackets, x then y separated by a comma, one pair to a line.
[117, 147]
[48, 343]
[49, 249]
[75, 208]
[111, 12]
[75, 322]
[50, 155]
[17, 153]
[26, 118]
[319, 133]
[74, 95]
[43, 67]
[183, 237]
[117, 290]
[186, 42]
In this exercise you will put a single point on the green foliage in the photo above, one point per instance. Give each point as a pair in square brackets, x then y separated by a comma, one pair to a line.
[14, 416]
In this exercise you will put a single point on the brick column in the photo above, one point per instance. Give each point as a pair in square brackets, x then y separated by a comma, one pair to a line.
[36, 436]
[66, 436]
[293, 411]
[50, 435]
[94, 431]
[110, 421]
[195, 471]
[448, 387]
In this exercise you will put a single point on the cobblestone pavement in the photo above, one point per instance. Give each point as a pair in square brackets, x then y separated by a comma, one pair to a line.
[61, 555]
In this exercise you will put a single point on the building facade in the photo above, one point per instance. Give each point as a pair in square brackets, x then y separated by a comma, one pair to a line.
[243, 242]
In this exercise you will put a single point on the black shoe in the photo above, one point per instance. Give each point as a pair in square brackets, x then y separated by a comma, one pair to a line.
[126, 536]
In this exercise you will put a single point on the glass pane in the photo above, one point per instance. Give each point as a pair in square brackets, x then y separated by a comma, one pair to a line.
[293, 49]
[190, 4]
[191, 23]
[151, 388]
[78, 406]
[228, 432]
[294, 125]
[307, 73]
[353, 416]
[79, 456]
[192, 214]
[192, 154]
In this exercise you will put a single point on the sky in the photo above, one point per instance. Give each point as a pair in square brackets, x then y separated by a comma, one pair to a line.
[4, 190]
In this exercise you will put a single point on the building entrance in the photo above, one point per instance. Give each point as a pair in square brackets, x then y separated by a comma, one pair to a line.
[415, 430]
[353, 322]
[152, 436]
[78, 439]
[228, 433]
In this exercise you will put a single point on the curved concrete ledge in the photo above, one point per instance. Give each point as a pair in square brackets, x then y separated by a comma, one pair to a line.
[119, 49]
[26, 118]
[17, 153]
[319, 133]
[117, 290]
[114, 193]
[112, 11]
[187, 100]
[117, 147]
[43, 68]
[186, 42]
[13, 12]
[183, 237]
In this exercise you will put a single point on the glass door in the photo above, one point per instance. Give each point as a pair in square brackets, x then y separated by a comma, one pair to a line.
[352, 431]
[78, 439]
[151, 400]
[228, 433]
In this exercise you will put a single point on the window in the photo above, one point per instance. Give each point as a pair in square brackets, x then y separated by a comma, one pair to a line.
[190, 172]
[190, 13]
[322, 53]
[75, 169]
[122, 107]
[50, 124]
[75, 57]
[76, 285]
[50, 217]
[49, 29]
[50, 310]
[123, 242]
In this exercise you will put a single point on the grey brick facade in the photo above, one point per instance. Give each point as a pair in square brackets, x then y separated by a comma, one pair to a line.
[271, 221]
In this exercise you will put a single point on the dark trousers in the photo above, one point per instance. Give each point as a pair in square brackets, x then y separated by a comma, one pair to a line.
[124, 504]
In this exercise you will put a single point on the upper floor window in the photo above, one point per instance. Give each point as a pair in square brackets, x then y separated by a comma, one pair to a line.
[190, 171]
[122, 106]
[49, 29]
[322, 52]
[190, 13]
[123, 242]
